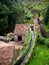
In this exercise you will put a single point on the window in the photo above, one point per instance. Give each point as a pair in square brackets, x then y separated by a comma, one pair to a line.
[19, 38]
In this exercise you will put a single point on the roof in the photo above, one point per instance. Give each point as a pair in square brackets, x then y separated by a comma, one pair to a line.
[21, 29]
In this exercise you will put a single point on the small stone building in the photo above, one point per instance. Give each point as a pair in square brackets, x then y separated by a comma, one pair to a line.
[20, 32]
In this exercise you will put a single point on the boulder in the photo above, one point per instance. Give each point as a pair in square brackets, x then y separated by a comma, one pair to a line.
[2, 38]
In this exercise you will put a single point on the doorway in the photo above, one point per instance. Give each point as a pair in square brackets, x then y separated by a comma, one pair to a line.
[19, 38]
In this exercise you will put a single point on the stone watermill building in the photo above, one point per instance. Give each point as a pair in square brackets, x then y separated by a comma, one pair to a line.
[20, 32]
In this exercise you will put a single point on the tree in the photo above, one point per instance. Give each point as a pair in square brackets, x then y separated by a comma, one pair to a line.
[4, 11]
[11, 12]
[46, 15]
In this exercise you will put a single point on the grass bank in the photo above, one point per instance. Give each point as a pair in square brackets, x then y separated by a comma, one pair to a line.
[46, 27]
[40, 57]
[40, 54]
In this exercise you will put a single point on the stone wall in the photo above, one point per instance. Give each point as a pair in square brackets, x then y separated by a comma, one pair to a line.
[23, 38]
[6, 55]
[16, 38]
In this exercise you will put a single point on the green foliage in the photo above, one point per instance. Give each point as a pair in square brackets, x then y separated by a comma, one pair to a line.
[41, 52]
[26, 13]
[21, 13]
[11, 12]
[16, 53]
[46, 27]
[40, 40]
[47, 42]
[40, 56]
[46, 16]
[4, 11]
[28, 38]
[3, 25]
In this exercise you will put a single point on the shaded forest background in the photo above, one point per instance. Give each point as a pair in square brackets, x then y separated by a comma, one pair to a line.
[15, 11]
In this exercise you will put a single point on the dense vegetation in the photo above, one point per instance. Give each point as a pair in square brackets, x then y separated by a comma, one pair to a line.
[42, 40]
[17, 11]
[46, 17]
[45, 23]
[40, 56]
[41, 51]
[12, 12]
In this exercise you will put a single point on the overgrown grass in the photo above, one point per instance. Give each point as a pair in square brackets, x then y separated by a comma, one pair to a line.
[41, 56]
[27, 43]
[46, 27]
[39, 7]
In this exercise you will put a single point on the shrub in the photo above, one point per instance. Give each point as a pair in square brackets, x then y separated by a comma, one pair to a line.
[47, 42]
[40, 40]
[10, 36]
[46, 16]
[3, 18]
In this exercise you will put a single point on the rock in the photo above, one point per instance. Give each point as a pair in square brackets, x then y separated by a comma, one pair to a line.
[6, 55]
[2, 38]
